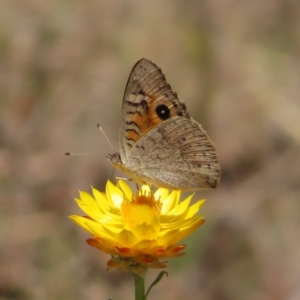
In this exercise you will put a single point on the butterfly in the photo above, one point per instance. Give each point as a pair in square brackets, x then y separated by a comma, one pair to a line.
[159, 143]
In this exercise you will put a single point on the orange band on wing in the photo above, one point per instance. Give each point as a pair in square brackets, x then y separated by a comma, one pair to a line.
[144, 120]
[132, 135]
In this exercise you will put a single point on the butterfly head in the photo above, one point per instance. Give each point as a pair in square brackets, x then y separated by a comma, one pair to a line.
[115, 159]
[117, 162]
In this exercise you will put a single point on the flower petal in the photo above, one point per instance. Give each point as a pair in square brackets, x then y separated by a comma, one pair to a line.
[126, 238]
[114, 195]
[193, 209]
[170, 202]
[125, 188]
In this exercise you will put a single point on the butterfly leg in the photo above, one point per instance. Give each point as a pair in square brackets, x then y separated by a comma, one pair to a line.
[127, 179]
[123, 178]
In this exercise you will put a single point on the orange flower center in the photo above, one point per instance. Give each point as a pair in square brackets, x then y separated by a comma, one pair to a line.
[141, 209]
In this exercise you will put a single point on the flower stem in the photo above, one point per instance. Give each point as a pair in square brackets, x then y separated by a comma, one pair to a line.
[139, 285]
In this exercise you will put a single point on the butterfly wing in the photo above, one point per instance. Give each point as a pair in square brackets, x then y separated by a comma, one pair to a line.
[159, 142]
[148, 101]
[177, 154]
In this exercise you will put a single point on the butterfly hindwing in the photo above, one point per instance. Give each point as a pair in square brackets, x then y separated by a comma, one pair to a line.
[177, 148]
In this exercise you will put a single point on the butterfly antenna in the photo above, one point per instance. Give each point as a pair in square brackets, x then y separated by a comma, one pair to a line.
[100, 128]
[71, 153]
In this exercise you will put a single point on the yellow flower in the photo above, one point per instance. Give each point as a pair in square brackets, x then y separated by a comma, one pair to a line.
[137, 230]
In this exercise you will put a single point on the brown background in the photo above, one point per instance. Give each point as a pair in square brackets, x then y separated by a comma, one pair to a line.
[63, 69]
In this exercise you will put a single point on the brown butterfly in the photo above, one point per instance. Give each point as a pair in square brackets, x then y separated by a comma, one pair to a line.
[159, 143]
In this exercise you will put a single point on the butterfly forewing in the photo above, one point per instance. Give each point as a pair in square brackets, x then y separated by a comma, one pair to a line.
[147, 90]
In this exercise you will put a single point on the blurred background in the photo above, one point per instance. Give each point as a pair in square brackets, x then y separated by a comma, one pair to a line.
[63, 69]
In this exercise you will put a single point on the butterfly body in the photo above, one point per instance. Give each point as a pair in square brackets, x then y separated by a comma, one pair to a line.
[159, 143]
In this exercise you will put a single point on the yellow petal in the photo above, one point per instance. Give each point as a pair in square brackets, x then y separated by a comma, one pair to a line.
[187, 231]
[170, 202]
[101, 200]
[193, 209]
[88, 204]
[125, 188]
[167, 237]
[126, 238]
[148, 232]
[114, 194]
[80, 221]
[146, 246]
[161, 194]
[89, 225]
[182, 207]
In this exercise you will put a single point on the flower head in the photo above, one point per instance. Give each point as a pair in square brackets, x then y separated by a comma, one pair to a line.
[137, 230]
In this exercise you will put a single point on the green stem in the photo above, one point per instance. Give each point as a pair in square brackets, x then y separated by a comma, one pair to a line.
[139, 285]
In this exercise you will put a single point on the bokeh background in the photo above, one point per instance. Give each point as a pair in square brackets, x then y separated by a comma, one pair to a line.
[63, 69]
